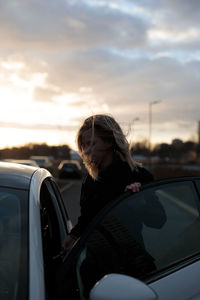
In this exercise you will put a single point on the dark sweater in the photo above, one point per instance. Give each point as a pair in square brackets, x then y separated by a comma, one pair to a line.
[95, 194]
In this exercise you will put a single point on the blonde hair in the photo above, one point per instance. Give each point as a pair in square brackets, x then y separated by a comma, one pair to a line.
[108, 129]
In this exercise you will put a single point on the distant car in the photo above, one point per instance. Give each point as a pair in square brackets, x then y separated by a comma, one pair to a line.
[69, 169]
[27, 162]
[140, 246]
[42, 161]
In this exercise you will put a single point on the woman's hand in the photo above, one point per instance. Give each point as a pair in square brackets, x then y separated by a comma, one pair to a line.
[134, 187]
[67, 245]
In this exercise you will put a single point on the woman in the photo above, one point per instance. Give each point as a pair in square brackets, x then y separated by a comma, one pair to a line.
[111, 169]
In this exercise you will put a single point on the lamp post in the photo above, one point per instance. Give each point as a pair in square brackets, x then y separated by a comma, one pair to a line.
[150, 125]
[131, 126]
[133, 121]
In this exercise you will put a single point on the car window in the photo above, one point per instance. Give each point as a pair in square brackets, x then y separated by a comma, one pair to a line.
[53, 226]
[53, 223]
[144, 234]
[13, 243]
[178, 238]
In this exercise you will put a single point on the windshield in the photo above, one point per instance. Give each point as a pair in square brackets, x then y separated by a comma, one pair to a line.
[13, 244]
[70, 166]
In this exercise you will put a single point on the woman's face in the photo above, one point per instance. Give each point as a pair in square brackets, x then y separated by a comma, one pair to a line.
[95, 150]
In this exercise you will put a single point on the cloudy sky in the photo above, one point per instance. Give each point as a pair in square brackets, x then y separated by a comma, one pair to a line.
[63, 60]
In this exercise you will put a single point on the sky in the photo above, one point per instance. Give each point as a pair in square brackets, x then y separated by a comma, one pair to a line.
[64, 60]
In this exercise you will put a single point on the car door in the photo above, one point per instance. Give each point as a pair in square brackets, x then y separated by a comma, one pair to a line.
[55, 226]
[152, 235]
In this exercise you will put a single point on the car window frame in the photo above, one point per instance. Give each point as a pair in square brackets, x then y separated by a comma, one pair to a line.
[53, 228]
[57, 213]
[126, 194]
[60, 202]
[97, 219]
[74, 254]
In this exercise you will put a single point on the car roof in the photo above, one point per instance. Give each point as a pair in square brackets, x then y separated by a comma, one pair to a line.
[39, 157]
[28, 162]
[15, 175]
[70, 161]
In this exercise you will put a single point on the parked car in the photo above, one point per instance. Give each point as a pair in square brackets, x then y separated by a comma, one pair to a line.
[69, 169]
[140, 246]
[33, 224]
[42, 161]
[27, 162]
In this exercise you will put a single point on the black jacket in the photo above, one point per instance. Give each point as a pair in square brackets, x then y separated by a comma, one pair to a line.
[95, 194]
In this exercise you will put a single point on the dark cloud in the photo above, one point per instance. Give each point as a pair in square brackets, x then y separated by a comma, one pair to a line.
[185, 12]
[60, 25]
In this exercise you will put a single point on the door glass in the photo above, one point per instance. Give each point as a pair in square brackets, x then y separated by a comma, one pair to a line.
[53, 232]
[53, 227]
[179, 237]
[144, 233]
[13, 243]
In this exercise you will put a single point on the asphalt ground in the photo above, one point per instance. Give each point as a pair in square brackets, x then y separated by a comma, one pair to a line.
[63, 184]
[70, 190]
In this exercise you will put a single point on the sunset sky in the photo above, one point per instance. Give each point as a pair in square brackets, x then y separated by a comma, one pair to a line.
[63, 60]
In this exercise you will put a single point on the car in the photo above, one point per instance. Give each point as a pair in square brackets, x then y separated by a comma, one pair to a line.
[32, 217]
[42, 161]
[69, 169]
[142, 245]
[27, 162]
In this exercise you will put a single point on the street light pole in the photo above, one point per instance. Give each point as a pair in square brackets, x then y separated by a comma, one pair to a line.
[131, 126]
[150, 125]
[133, 121]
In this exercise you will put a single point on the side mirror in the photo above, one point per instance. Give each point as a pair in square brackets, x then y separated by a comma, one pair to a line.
[121, 287]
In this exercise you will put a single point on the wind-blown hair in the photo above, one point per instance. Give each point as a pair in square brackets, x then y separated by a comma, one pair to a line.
[105, 127]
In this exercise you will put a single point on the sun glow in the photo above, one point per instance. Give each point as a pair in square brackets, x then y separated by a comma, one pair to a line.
[25, 119]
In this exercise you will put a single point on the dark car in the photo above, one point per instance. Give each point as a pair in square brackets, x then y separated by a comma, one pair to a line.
[69, 169]
[141, 246]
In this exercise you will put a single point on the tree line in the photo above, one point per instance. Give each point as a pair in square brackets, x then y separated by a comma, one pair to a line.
[174, 151]
[30, 149]
[177, 150]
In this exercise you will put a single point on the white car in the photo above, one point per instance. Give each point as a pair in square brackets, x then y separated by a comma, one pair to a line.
[32, 216]
[42, 161]
[141, 246]
[27, 162]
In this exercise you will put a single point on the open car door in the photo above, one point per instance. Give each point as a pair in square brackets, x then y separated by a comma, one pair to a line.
[150, 238]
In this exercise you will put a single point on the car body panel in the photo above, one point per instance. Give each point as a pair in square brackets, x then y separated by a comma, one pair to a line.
[36, 267]
[15, 175]
[182, 284]
[27, 162]
[121, 287]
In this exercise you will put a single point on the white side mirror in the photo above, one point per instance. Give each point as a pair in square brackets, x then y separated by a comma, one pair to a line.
[121, 287]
